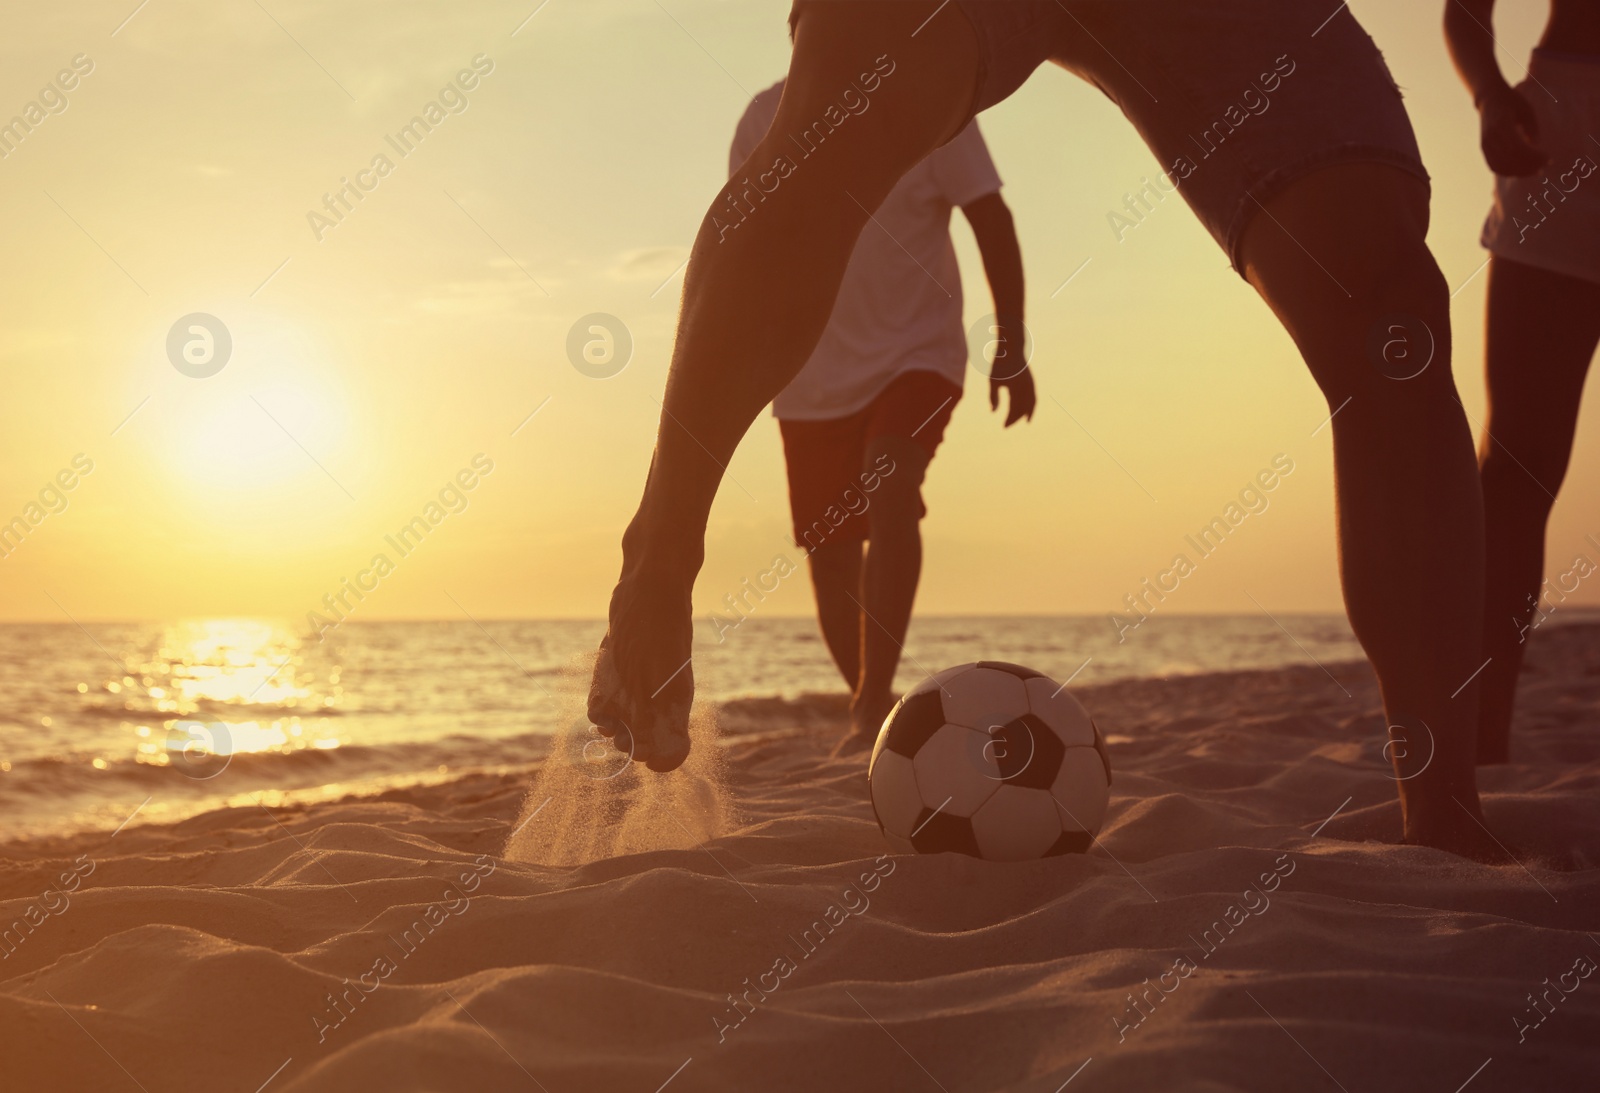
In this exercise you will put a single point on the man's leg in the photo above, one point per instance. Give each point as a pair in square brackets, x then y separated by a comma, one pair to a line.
[1542, 331]
[756, 300]
[889, 581]
[836, 581]
[1340, 257]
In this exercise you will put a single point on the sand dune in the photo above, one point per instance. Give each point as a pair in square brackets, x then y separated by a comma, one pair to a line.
[738, 926]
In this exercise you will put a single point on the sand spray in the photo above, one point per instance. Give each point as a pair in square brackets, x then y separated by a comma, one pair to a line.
[588, 801]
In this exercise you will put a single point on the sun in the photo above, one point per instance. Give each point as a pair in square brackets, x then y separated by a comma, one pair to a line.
[272, 418]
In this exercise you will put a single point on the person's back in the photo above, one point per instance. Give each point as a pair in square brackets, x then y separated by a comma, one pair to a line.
[899, 305]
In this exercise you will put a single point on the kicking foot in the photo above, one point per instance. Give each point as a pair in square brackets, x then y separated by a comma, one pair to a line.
[643, 684]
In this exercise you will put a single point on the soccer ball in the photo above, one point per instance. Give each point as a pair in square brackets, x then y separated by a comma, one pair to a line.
[992, 760]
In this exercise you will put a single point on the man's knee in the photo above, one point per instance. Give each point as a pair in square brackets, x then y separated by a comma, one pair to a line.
[1345, 248]
[895, 512]
[835, 559]
[1388, 341]
[1401, 305]
[1403, 282]
[896, 506]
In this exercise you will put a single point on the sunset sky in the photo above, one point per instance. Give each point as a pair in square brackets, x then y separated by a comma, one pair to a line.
[371, 366]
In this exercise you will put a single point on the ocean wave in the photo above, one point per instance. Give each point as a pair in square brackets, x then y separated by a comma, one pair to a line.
[762, 713]
[206, 710]
[48, 776]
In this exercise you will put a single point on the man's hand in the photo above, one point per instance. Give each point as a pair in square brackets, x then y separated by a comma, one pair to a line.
[1011, 372]
[1510, 133]
[992, 226]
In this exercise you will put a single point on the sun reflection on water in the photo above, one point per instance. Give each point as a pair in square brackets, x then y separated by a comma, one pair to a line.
[227, 687]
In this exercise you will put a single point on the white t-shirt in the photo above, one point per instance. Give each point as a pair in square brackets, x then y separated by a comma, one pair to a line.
[899, 308]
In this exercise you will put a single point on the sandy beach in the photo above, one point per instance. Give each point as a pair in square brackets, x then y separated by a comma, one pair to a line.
[738, 924]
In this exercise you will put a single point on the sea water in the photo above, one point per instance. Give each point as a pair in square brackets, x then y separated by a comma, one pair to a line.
[162, 720]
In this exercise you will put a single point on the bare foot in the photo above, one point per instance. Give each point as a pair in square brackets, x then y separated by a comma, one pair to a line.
[1457, 835]
[1454, 824]
[866, 718]
[643, 683]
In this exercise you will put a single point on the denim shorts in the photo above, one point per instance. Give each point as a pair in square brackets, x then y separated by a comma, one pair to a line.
[1551, 218]
[1236, 98]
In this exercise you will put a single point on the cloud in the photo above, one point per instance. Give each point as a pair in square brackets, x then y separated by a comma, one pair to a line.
[514, 295]
[653, 264]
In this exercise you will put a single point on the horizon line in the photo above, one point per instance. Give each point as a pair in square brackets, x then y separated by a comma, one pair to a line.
[929, 616]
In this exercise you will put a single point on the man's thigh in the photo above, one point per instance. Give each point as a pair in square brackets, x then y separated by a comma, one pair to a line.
[1239, 99]
[904, 427]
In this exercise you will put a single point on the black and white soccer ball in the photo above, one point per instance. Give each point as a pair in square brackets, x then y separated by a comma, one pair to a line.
[992, 760]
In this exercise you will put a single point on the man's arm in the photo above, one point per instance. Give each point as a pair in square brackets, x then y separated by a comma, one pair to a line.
[1002, 263]
[1510, 130]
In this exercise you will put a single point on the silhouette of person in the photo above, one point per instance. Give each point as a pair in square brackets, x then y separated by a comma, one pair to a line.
[868, 410]
[1542, 140]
